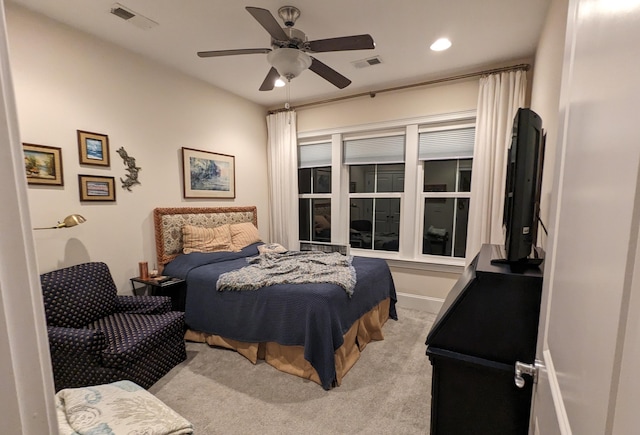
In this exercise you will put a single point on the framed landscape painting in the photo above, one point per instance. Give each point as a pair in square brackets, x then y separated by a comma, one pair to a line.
[93, 148]
[96, 188]
[43, 164]
[207, 174]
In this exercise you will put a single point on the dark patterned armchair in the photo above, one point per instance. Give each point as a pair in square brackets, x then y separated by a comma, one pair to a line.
[97, 336]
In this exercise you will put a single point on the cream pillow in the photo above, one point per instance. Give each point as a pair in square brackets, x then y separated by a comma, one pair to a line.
[243, 235]
[200, 239]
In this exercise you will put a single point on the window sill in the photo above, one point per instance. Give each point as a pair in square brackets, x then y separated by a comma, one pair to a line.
[430, 263]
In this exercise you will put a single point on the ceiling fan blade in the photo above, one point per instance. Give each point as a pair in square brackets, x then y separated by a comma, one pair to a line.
[233, 52]
[329, 73]
[266, 20]
[357, 42]
[270, 80]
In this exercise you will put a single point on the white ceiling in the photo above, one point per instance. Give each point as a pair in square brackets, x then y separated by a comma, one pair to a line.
[483, 32]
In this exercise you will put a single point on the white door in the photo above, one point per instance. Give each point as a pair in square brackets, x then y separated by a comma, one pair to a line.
[26, 379]
[589, 318]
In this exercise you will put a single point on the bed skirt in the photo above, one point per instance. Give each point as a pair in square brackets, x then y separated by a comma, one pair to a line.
[290, 359]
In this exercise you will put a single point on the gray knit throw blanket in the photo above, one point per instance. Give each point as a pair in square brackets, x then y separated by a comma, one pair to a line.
[292, 267]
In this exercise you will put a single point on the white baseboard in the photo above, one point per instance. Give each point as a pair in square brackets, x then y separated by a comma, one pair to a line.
[417, 302]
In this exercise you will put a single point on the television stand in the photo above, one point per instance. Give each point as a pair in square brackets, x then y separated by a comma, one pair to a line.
[498, 256]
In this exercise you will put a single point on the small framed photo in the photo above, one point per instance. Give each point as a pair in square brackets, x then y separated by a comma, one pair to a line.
[93, 148]
[96, 188]
[208, 175]
[43, 164]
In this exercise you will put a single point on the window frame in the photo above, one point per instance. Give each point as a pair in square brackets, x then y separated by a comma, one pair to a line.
[377, 195]
[318, 140]
[312, 197]
[411, 211]
[422, 195]
[375, 134]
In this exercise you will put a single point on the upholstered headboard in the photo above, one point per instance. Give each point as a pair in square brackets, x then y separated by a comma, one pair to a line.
[168, 223]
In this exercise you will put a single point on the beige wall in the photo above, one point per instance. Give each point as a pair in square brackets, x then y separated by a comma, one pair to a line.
[545, 96]
[419, 285]
[410, 103]
[67, 81]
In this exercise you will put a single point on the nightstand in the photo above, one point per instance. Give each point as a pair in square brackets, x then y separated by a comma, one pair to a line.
[175, 288]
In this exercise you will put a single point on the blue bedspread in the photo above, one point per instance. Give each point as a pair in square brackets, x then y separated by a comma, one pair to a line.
[315, 316]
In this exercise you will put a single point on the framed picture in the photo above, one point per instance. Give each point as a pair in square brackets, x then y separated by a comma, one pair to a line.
[43, 164]
[96, 188]
[93, 148]
[208, 175]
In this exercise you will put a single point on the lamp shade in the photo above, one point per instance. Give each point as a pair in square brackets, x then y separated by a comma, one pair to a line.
[71, 221]
[289, 62]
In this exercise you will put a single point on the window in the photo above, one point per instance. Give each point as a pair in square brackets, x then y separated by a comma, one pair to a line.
[314, 180]
[399, 190]
[314, 219]
[376, 183]
[447, 157]
[314, 192]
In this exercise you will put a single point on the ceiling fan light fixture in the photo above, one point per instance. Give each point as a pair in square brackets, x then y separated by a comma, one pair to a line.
[289, 62]
[279, 83]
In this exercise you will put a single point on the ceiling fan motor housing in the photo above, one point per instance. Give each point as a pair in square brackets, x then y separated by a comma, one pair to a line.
[297, 39]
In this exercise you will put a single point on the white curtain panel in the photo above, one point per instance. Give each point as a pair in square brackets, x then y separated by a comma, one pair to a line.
[282, 158]
[499, 98]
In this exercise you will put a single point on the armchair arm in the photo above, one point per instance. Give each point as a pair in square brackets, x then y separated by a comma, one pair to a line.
[76, 345]
[143, 304]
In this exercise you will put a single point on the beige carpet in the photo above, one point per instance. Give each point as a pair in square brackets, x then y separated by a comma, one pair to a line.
[386, 392]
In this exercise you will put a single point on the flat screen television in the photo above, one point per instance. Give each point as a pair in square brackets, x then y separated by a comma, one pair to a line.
[522, 190]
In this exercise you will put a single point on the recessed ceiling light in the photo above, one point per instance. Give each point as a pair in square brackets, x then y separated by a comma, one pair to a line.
[279, 83]
[441, 44]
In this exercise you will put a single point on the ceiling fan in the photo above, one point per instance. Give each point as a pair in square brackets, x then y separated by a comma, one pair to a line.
[288, 56]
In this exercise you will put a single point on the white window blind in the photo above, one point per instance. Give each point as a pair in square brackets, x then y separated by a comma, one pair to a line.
[314, 155]
[387, 149]
[447, 144]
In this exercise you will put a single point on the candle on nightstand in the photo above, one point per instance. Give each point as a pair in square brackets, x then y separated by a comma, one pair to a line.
[144, 270]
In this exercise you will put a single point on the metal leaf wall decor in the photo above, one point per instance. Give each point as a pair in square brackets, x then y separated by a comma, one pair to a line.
[132, 176]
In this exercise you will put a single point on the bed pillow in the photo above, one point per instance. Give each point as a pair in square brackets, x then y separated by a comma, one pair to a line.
[200, 239]
[243, 235]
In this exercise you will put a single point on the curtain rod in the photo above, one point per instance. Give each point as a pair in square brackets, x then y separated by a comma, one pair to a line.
[522, 66]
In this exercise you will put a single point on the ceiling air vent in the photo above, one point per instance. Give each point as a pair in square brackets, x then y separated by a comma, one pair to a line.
[122, 13]
[132, 17]
[365, 63]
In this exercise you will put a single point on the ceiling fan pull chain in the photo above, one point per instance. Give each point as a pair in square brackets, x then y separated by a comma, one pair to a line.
[287, 105]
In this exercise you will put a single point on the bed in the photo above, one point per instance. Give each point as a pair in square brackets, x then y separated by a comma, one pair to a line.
[315, 331]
